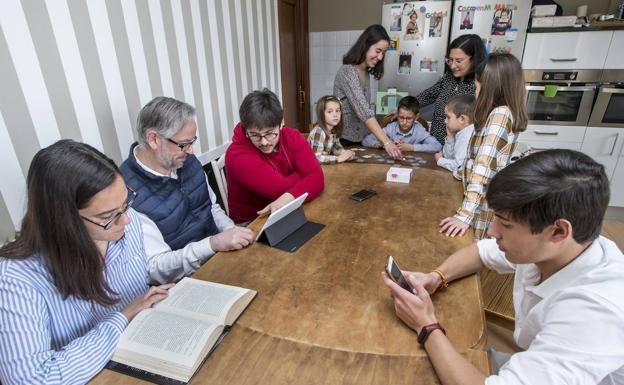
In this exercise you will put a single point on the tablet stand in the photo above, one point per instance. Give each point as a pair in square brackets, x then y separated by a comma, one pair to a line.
[290, 232]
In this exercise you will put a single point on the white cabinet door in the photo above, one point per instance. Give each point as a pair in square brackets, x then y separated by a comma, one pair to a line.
[543, 145]
[604, 144]
[553, 133]
[617, 185]
[566, 50]
[615, 57]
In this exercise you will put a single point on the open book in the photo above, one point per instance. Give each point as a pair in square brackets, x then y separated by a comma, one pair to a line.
[173, 339]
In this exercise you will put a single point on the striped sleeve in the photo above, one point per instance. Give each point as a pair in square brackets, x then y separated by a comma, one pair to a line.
[317, 140]
[26, 354]
[493, 138]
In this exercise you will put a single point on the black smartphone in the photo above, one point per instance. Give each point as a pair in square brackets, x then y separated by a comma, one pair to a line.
[362, 195]
[394, 272]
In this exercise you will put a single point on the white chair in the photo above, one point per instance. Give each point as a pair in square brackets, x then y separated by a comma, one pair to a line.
[522, 150]
[218, 168]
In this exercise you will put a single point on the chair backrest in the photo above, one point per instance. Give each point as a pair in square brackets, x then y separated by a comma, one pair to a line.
[218, 167]
[522, 150]
[391, 118]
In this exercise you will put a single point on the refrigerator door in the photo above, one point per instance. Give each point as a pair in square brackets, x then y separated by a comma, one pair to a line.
[415, 61]
[501, 25]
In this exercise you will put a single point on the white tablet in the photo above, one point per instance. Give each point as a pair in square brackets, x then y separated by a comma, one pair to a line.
[282, 212]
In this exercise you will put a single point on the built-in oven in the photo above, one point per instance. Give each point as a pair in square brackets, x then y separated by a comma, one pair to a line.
[561, 98]
[609, 107]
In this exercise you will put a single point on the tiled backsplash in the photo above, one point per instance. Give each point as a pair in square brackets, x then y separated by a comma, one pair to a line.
[326, 52]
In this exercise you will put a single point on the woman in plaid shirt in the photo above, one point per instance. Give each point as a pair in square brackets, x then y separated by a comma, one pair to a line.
[500, 116]
[324, 136]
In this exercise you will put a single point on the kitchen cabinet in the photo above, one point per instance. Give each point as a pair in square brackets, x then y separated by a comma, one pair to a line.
[606, 146]
[617, 184]
[542, 137]
[567, 50]
[615, 57]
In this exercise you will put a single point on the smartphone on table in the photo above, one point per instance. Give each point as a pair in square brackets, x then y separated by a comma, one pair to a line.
[394, 272]
[362, 195]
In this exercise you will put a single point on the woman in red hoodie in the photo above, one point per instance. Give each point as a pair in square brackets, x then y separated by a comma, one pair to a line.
[267, 165]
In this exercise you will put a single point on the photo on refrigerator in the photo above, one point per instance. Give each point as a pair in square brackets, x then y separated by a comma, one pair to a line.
[501, 21]
[467, 19]
[435, 25]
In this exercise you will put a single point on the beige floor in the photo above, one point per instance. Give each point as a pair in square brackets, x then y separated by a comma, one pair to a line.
[501, 338]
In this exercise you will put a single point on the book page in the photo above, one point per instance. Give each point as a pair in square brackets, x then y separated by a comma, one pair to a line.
[203, 297]
[167, 336]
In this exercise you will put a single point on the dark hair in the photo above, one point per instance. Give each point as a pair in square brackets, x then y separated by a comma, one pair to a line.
[163, 115]
[357, 53]
[261, 109]
[409, 103]
[553, 184]
[462, 105]
[320, 114]
[62, 179]
[502, 84]
[473, 46]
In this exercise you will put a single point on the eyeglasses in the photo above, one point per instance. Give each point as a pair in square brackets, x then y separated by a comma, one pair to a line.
[258, 138]
[129, 201]
[449, 60]
[183, 146]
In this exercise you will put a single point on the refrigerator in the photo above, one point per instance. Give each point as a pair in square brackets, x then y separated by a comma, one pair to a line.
[419, 32]
[501, 25]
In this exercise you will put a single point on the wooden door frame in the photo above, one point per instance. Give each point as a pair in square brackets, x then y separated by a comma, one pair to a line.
[302, 55]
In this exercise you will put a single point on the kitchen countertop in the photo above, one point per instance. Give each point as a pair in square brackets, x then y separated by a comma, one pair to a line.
[609, 25]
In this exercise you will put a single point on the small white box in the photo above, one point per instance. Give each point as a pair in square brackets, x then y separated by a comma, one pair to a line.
[544, 10]
[542, 22]
[564, 21]
[553, 21]
[399, 175]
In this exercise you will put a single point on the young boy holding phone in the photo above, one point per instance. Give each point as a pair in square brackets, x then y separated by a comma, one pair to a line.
[459, 115]
[406, 132]
[568, 296]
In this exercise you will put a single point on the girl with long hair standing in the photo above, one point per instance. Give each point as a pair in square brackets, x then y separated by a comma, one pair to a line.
[500, 116]
[77, 272]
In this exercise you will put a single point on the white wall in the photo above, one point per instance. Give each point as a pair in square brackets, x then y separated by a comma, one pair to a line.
[326, 52]
[82, 70]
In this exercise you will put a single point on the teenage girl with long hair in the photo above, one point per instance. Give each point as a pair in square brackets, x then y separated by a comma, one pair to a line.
[500, 116]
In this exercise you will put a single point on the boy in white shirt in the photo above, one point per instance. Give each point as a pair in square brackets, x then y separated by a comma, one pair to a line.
[459, 114]
[568, 297]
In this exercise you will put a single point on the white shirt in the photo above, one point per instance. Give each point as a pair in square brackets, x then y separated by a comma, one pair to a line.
[166, 265]
[571, 325]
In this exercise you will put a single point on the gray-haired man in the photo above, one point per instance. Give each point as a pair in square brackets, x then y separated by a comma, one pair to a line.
[183, 225]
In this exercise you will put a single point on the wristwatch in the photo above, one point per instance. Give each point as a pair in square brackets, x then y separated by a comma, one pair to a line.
[426, 330]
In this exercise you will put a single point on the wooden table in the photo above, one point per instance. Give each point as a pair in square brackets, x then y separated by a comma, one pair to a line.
[322, 314]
